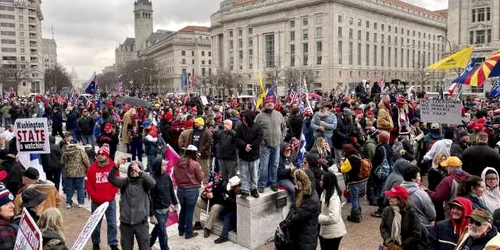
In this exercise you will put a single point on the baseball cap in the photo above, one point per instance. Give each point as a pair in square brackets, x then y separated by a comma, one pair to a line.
[199, 121]
[452, 161]
[481, 215]
[31, 173]
[397, 192]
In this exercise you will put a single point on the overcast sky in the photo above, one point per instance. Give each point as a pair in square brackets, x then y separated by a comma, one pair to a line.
[88, 31]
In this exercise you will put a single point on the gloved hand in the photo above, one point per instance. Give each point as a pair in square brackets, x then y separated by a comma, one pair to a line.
[393, 246]
[153, 220]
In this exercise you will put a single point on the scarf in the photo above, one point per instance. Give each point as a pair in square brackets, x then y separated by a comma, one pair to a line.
[396, 226]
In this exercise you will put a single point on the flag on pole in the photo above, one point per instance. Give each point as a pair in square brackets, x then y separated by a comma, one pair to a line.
[262, 93]
[293, 96]
[489, 68]
[456, 61]
[172, 159]
[452, 88]
[495, 90]
[91, 85]
[302, 145]
[467, 72]
[97, 95]
[271, 92]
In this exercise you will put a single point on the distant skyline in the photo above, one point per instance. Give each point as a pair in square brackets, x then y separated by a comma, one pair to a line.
[88, 31]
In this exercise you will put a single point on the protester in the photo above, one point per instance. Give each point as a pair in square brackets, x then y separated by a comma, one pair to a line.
[13, 182]
[440, 146]
[274, 132]
[189, 177]
[324, 123]
[31, 180]
[151, 141]
[458, 147]
[286, 169]
[202, 139]
[332, 227]
[52, 163]
[228, 213]
[249, 136]
[57, 122]
[85, 126]
[109, 136]
[313, 169]
[100, 190]
[127, 127]
[75, 162]
[444, 234]
[210, 200]
[322, 148]
[473, 189]
[226, 150]
[71, 123]
[51, 226]
[34, 202]
[384, 119]
[7, 228]
[480, 156]
[134, 203]
[354, 180]
[480, 233]
[400, 227]
[491, 195]
[68, 139]
[163, 201]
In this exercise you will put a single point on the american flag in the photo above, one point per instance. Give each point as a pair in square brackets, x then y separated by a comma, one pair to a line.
[294, 96]
[304, 103]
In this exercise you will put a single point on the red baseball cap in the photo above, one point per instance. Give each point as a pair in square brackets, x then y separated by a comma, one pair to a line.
[3, 175]
[398, 192]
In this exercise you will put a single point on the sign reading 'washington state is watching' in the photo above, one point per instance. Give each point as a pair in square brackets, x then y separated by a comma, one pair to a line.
[441, 111]
[32, 136]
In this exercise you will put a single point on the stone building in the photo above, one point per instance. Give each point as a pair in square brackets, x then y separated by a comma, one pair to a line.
[21, 45]
[338, 42]
[49, 52]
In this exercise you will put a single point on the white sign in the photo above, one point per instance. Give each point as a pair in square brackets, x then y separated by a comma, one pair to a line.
[29, 236]
[32, 136]
[441, 111]
[89, 227]
[204, 100]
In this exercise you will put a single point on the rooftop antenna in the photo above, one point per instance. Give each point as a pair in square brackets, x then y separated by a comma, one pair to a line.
[52, 32]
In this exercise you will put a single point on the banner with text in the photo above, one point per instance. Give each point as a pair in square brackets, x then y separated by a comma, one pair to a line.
[32, 136]
[89, 227]
[441, 111]
[28, 236]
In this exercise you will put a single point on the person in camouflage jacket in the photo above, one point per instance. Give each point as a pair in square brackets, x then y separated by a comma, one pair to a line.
[75, 162]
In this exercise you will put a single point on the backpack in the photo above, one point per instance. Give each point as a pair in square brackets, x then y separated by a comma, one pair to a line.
[383, 170]
[365, 168]
[364, 151]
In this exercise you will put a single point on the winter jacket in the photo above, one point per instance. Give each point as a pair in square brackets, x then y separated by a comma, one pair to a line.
[98, 187]
[57, 119]
[14, 169]
[134, 200]
[491, 197]
[226, 141]
[330, 120]
[71, 120]
[379, 155]
[52, 240]
[111, 139]
[444, 188]
[285, 165]
[188, 173]
[330, 218]
[490, 241]
[369, 149]
[251, 134]
[75, 162]
[86, 125]
[477, 202]
[457, 149]
[353, 174]
[442, 236]
[441, 146]
[294, 127]
[52, 161]
[53, 197]
[421, 203]
[303, 223]
[411, 230]
[345, 130]
[475, 159]
[273, 127]
[384, 119]
[162, 195]
[174, 133]
[396, 176]
[206, 141]
[7, 234]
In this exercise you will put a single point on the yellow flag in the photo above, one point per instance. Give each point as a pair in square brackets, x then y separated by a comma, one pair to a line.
[262, 93]
[458, 60]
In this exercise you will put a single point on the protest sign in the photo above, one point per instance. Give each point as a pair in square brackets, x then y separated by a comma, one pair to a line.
[204, 100]
[28, 236]
[32, 136]
[89, 227]
[441, 111]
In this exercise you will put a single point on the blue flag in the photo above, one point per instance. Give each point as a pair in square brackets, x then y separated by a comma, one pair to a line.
[495, 90]
[468, 70]
[91, 85]
[271, 92]
[304, 103]
[97, 95]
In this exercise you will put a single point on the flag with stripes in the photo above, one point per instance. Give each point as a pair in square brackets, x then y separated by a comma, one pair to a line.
[304, 103]
[495, 90]
[294, 96]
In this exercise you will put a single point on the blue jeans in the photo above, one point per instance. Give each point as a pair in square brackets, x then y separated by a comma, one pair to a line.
[290, 187]
[268, 169]
[6, 122]
[70, 185]
[136, 148]
[249, 173]
[110, 222]
[88, 139]
[187, 199]
[228, 219]
[160, 231]
[355, 190]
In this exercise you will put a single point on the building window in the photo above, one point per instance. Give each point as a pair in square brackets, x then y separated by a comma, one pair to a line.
[8, 33]
[359, 53]
[183, 60]
[339, 52]
[230, 33]
[402, 58]
[382, 56]
[250, 31]
[395, 57]
[269, 50]
[351, 20]
[319, 52]
[375, 37]
[367, 36]
[319, 19]
[375, 56]
[305, 54]
[488, 14]
[240, 59]
[292, 35]
[340, 18]
[367, 53]
[250, 59]
[359, 22]
[292, 55]
[240, 32]
[202, 71]
[240, 43]
[292, 23]
[480, 15]
[209, 62]
[202, 53]
[305, 34]
[374, 26]
[305, 21]
[183, 53]
[480, 37]
[192, 53]
[319, 32]
[8, 25]
[359, 35]
[231, 62]
[382, 26]
[351, 51]
[351, 34]
[250, 42]
[389, 58]
[488, 36]
[339, 32]
[367, 24]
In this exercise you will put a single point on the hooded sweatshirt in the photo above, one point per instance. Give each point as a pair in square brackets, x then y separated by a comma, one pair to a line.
[99, 188]
[441, 146]
[444, 235]
[421, 203]
[396, 176]
[491, 197]
[188, 173]
[162, 195]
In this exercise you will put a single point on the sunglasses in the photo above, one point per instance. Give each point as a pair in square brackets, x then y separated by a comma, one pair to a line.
[475, 222]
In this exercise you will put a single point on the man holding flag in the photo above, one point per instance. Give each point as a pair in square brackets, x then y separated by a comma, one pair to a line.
[274, 132]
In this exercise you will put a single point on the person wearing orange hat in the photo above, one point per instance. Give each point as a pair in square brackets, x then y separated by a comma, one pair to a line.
[400, 227]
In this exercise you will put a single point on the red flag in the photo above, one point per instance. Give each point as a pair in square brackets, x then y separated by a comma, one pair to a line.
[172, 159]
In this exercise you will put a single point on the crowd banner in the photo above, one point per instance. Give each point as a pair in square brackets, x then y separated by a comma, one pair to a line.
[29, 236]
[89, 227]
[32, 136]
[441, 111]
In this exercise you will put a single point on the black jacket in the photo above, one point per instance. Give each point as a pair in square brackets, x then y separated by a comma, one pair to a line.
[71, 119]
[52, 161]
[284, 171]
[294, 127]
[457, 149]
[14, 181]
[303, 223]
[162, 194]
[345, 130]
[86, 125]
[412, 234]
[57, 120]
[225, 145]
[218, 191]
[442, 235]
[53, 241]
[475, 159]
[249, 135]
[379, 155]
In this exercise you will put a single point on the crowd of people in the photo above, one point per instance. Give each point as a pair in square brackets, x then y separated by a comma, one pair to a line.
[230, 150]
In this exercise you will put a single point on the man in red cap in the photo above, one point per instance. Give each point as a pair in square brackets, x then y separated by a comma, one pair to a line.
[110, 137]
[101, 190]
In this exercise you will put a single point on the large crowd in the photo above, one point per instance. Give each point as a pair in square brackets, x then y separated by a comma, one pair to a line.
[229, 149]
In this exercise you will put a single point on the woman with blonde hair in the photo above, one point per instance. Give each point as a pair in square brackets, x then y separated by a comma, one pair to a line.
[50, 224]
[322, 148]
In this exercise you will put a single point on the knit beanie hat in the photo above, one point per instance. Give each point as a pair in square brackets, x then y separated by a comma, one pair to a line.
[5, 195]
[104, 150]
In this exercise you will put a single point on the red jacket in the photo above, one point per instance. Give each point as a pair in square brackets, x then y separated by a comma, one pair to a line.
[444, 188]
[97, 185]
